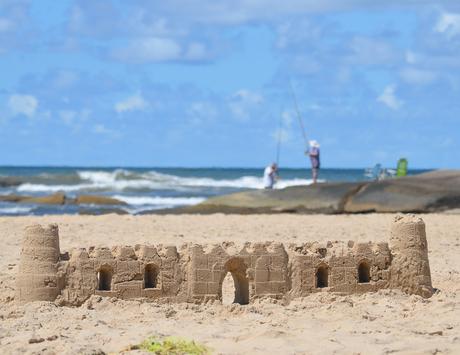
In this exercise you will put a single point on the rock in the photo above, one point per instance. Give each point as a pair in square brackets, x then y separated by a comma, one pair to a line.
[13, 198]
[319, 198]
[55, 199]
[98, 200]
[7, 181]
[429, 192]
[102, 211]
[36, 340]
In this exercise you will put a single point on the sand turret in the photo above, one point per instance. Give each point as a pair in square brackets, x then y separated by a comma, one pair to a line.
[37, 278]
[410, 268]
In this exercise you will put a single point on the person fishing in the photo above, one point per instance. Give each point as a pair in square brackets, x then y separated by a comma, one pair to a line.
[313, 146]
[313, 153]
[270, 176]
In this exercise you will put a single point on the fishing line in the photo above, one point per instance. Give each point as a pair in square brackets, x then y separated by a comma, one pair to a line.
[299, 117]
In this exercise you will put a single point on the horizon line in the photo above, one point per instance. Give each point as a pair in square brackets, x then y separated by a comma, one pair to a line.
[199, 167]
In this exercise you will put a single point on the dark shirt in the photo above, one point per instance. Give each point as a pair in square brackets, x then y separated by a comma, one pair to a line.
[314, 158]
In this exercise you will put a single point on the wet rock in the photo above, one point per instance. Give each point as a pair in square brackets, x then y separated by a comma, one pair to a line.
[13, 198]
[98, 200]
[102, 211]
[8, 181]
[320, 198]
[55, 199]
[429, 192]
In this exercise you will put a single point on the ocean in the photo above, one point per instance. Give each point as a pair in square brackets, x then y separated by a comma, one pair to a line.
[144, 189]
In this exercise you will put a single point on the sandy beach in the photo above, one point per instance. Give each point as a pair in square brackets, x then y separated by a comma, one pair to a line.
[384, 322]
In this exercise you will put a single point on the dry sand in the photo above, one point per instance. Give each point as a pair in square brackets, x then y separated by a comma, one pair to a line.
[383, 322]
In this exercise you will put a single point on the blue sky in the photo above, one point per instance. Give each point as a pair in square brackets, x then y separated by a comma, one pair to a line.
[206, 83]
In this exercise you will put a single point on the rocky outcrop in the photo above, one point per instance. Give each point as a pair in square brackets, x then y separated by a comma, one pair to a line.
[61, 199]
[97, 200]
[13, 198]
[429, 192]
[55, 199]
[8, 181]
[433, 191]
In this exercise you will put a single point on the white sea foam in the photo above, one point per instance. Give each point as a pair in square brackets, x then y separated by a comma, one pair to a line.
[51, 188]
[120, 180]
[14, 210]
[170, 201]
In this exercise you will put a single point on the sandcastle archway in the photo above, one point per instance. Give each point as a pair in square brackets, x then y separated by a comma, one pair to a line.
[364, 272]
[104, 278]
[322, 276]
[151, 276]
[236, 269]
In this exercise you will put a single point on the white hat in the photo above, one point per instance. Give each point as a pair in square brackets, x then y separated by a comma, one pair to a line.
[314, 144]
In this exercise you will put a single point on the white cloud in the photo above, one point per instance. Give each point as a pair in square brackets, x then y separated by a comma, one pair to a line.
[282, 135]
[243, 102]
[23, 104]
[67, 116]
[65, 79]
[196, 51]
[248, 96]
[388, 97]
[286, 118]
[243, 11]
[201, 111]
[418, 76]
[71, 117]
[411, 57]
[5, 25]
[133, 103]
[103, 130]
[449, 24]
[160, 49]
[153, 49]
[371, 51]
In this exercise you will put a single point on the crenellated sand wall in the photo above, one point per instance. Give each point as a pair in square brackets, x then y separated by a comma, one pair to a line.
[194, 273]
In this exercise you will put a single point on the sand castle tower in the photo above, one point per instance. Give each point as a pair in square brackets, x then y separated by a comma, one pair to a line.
[37, 278]
[410, 268]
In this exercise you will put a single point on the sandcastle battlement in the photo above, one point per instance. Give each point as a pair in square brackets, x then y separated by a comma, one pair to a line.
[195, 273]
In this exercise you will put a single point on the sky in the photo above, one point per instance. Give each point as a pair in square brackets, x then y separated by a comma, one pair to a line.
[208, 84]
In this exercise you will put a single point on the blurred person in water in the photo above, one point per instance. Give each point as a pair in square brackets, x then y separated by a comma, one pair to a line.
[313, 153]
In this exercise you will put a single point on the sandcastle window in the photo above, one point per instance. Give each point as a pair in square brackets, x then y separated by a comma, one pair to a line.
[150, 276]
[322, 275]
[104, 277]
[364, 273]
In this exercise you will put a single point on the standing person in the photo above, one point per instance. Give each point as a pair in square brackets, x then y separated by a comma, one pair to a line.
[313, 152]
[270, 176]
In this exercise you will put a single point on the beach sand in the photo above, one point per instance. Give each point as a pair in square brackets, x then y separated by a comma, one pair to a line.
[383, 322]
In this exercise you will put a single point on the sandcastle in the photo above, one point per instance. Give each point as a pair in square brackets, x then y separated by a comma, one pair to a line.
[194, 273]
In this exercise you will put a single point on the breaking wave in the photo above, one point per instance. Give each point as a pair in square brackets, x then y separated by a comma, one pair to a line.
[160, 201]
[15, 210]
[124, 180]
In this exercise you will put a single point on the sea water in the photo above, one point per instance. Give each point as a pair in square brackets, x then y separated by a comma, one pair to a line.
[144, 189]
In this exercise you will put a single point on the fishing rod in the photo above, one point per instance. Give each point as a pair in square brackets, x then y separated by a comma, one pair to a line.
[299, 117]
[278, 145]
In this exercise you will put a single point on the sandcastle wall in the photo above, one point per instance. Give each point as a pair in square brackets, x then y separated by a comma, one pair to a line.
[195, 273]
